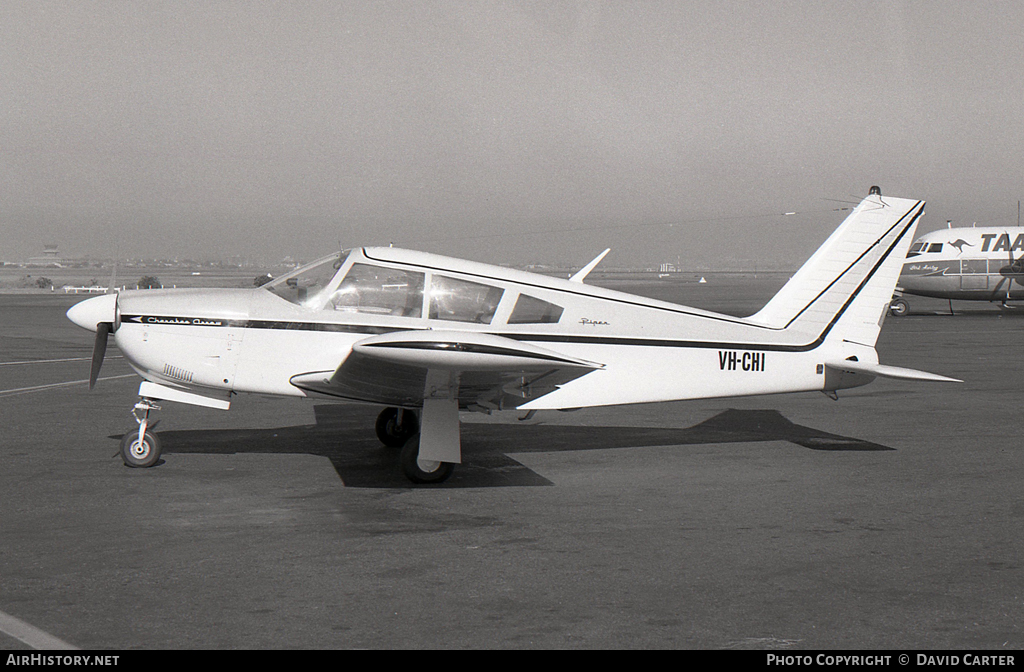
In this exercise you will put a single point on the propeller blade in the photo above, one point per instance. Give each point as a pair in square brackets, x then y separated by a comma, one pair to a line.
[99, 349]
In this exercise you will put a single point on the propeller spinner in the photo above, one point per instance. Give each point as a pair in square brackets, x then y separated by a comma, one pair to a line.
[99, 314]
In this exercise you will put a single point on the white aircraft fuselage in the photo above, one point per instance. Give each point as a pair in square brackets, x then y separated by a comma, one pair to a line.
[217, 341]
[435, 335]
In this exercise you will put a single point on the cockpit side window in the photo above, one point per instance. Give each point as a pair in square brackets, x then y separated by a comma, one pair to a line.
[935, 247]
[531, 310]
[918, 247]
[380, 291]
[304, 284]
[462, 301]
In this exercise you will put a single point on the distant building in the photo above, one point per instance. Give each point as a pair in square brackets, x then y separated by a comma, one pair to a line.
[51, 258]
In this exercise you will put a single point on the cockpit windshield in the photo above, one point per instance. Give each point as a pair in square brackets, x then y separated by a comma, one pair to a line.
[302, 285]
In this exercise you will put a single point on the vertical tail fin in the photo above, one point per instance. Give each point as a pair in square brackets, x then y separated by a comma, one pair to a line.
[844, 289]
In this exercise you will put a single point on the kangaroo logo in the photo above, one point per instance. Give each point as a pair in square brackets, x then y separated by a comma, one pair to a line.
[959, 244]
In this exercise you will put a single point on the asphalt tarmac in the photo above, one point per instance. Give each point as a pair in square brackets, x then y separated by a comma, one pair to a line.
[889, 519]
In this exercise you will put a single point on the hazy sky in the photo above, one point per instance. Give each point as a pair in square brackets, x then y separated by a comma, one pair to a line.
[499, 131]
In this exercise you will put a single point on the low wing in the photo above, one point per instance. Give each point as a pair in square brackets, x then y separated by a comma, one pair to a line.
[483, 371]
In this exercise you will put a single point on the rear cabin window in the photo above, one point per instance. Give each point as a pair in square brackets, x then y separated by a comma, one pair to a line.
[530, 310]
[462, 301]
[379, 291]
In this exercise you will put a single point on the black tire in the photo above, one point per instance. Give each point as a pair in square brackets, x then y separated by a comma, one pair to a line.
[389, 433]
[420, 472]
[140, 457]
[899, 307]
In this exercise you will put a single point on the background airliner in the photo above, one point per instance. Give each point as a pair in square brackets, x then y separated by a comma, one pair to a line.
[971, 264]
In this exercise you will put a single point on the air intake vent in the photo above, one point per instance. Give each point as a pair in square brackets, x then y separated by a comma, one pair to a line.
[178, 374]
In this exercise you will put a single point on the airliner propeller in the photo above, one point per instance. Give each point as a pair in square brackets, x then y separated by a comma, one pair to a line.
[1012, 272]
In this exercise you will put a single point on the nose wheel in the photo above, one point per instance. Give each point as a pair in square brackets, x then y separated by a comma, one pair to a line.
[141, 449]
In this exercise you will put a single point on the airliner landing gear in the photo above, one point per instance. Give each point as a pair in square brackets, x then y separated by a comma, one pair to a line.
[141, 449]
[395, 426]
[423, 471]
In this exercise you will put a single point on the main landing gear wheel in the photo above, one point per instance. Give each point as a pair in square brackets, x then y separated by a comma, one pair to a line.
[423, 471]
[140, 455]
[899, 307]
[393, 433]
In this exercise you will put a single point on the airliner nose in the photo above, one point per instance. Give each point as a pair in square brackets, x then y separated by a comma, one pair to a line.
[87, 314]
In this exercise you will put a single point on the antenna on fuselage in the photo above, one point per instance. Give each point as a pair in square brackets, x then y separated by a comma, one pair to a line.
[582, 274]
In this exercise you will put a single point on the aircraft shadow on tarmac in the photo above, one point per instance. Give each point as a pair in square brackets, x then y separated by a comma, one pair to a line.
[344, 435]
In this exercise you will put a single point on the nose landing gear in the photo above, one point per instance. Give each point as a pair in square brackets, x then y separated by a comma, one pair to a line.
[141, 449]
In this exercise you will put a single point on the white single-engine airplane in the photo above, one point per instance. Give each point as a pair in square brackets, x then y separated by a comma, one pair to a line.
[968, 264]
[428, 336]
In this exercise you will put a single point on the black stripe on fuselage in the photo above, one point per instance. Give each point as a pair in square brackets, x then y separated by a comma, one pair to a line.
[164, 320]
[472, 348]
[551, 338]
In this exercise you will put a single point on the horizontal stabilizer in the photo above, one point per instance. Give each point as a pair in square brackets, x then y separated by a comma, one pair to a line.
[890, 371]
